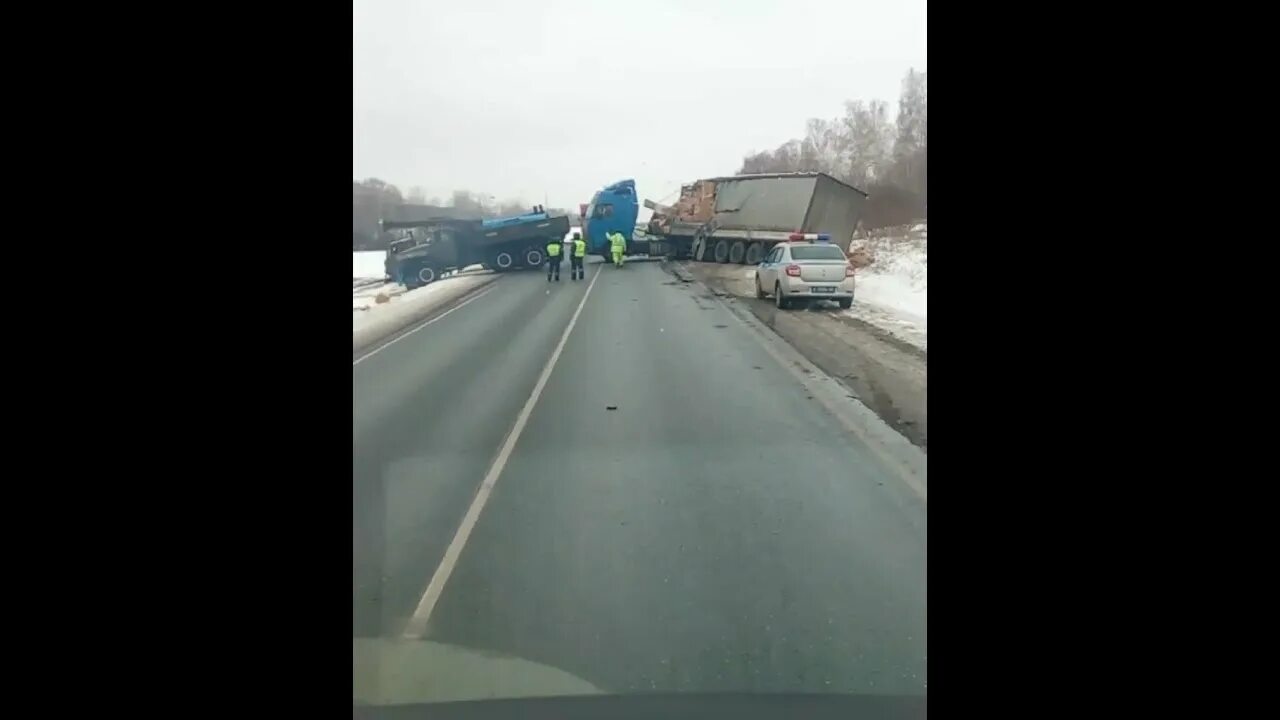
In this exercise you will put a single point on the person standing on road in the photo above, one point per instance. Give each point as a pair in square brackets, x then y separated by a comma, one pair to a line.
[618, 246]
[579, 255]
[553, 259]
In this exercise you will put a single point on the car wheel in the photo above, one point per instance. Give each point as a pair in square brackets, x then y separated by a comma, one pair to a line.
[778, 300]
[846, 303]
[759, 291]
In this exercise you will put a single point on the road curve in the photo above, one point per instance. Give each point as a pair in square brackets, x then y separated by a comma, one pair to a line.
[718, 531]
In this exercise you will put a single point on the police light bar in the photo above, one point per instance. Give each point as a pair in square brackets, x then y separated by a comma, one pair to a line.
[811, 237]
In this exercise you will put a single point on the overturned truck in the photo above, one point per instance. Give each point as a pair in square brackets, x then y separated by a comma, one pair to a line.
[737, 219]
[435, 246]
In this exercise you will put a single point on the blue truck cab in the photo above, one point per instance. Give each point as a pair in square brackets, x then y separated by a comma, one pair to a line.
[612, 209]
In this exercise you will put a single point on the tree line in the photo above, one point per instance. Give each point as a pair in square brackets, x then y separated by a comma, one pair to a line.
[373, 199]
[888, 159]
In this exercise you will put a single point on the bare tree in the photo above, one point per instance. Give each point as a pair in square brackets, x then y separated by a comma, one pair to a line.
[870, 142]
[466, 202]
[888, 158]
[911, 149]
[510, 208]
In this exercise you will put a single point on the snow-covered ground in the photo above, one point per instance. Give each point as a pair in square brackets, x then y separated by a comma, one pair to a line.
[368, 264]
[367, 270]
[366, 308]
[893, 292]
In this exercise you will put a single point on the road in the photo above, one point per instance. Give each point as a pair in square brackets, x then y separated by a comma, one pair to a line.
[717, 531]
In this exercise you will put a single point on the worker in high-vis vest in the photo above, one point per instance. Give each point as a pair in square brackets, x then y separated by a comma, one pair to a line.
[617, 246]
[553, 259]
[578, 257]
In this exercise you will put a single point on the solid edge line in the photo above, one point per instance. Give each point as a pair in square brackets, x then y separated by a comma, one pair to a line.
[484, 290]
[417, 624]
[766, 335]
[873, 444]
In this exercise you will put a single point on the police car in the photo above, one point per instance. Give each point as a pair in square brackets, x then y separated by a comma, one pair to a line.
[806, 268]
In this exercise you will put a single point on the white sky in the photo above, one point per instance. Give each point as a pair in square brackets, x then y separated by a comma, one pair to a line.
[517, 98]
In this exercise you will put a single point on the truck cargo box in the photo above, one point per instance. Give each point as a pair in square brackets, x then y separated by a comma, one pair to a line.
[763, 208]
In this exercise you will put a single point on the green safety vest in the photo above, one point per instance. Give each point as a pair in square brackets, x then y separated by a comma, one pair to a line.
[579, 248]
[553, 249]
[617, 242]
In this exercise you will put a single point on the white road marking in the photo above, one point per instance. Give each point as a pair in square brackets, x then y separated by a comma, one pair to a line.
[441, 316]
[819, 393]
[418, 622]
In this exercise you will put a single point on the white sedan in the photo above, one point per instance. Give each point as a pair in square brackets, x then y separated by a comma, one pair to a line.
[804, 270]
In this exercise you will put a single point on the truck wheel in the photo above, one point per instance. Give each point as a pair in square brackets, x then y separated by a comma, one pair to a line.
[755, 253]
[427, 275]
[721, 251]
[503, 261]
[533, 257]
[737, 252]
[778, 301]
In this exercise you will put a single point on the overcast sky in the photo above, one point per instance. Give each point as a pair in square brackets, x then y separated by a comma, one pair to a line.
[517, 98]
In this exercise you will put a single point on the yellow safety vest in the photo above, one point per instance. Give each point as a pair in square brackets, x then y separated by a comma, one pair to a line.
[553, 249]
[579, 248]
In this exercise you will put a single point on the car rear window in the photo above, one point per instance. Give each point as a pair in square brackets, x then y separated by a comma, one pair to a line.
[816, 252]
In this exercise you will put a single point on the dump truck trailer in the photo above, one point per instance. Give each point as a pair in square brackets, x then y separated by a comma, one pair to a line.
[437, 245]
[738, 219]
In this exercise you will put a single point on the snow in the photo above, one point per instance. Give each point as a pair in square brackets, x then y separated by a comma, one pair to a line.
[368, 264]
[364, 298]
[367, 270]
[893, 293]
[366, 310]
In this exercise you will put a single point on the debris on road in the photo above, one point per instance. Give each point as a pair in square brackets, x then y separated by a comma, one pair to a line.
[885, 373]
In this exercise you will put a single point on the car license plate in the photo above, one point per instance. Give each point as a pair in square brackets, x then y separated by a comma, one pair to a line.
[824, 289]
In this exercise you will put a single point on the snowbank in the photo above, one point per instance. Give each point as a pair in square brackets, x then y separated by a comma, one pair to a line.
[364, 300]
[895, 288]
[407, 307]
[368, 264]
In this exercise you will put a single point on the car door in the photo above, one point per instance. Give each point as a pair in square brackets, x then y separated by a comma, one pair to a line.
[768, 269]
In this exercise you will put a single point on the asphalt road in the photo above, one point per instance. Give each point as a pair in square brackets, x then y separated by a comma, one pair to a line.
[717, 532]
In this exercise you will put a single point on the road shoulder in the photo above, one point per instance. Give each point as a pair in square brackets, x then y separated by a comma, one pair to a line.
[384, 324]
[882, 373]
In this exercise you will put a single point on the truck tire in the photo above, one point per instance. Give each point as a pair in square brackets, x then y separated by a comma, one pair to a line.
[755, 253]
[737, 252]
[533, 257]
[427, 274]
[503, 261]
[721, 251]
